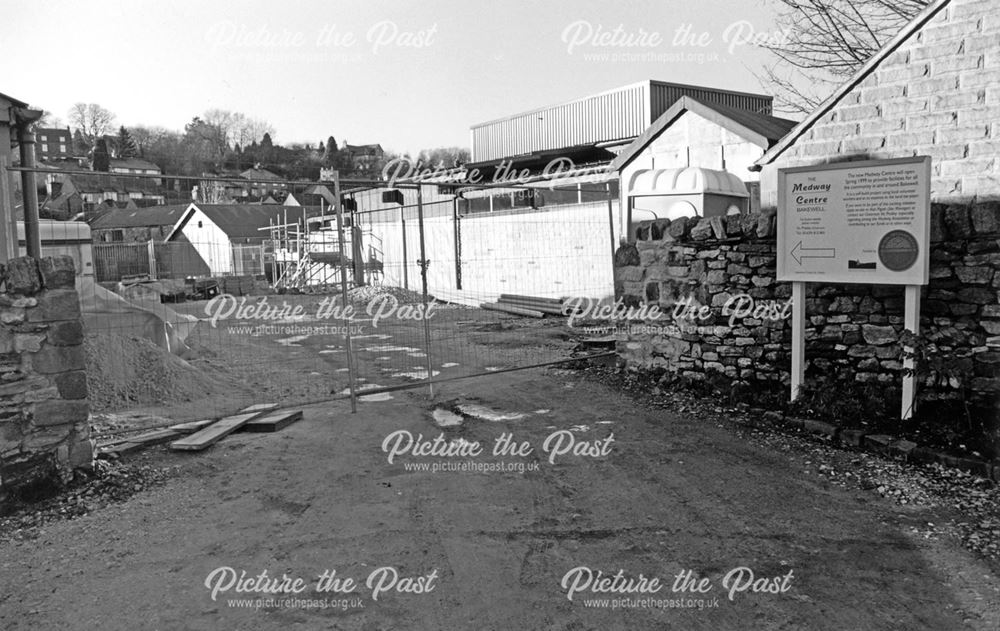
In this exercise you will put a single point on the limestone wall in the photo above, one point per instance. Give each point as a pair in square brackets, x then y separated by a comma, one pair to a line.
[44, 431]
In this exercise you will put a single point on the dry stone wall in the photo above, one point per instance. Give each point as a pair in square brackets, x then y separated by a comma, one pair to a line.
[723, 268]
[44, 429]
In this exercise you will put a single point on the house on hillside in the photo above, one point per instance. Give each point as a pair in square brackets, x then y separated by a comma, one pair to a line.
[364, 158]
[262, 183]
[53, 143]
[135, 166]
[102, 189]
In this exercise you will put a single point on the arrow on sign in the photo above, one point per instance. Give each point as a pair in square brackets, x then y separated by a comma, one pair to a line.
[799, 253]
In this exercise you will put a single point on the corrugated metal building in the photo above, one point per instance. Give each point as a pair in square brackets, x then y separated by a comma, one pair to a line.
[606, 119]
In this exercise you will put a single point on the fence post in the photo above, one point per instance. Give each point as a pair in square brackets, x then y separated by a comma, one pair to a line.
[151, 253]
[424, 263]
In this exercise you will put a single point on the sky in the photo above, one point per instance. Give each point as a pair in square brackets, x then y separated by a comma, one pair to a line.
[407, 75]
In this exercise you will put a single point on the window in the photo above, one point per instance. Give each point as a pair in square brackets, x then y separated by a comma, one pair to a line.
[44, 138]
[45, 147]
[62, 148]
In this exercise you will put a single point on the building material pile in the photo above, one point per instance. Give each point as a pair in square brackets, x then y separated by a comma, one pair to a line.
[529, 306]
[199, 435]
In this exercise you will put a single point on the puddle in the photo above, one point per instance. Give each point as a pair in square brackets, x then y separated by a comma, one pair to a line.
[382, 359]
[542, 411]
[605, 422]
[488, 414]
[491, 368]
[330, 350]
[292, 341]
[416, 374]
[370, 398]
[342, 370]
[362, 388]
[314, 373]
[417, 354]
[389, 348]
[446, 418]
[449, 365]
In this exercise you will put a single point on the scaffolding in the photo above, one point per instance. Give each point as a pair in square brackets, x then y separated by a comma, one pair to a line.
[305, 254]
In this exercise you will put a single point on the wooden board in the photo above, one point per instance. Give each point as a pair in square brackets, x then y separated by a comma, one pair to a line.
[260, 407]
[205, 438]
[274, 422]
[190, 428]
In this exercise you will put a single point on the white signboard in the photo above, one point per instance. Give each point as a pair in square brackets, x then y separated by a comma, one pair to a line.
[855, 222]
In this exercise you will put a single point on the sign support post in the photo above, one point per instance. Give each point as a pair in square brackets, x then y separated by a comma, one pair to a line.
[798, 337]
[911, 322]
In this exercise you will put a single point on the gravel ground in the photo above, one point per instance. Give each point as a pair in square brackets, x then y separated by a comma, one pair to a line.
[972, 502]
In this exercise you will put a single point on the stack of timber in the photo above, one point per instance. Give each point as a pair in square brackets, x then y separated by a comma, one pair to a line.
[529, 306]
[199, 435]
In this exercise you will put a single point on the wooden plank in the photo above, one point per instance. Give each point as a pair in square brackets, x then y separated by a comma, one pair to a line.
[274, 422]
[192, 427]
[215, 432]
[260, 407]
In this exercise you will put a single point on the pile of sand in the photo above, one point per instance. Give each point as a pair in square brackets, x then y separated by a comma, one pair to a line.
[123, 371]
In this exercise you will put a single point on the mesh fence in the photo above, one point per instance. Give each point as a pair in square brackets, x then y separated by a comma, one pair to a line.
[194, 309]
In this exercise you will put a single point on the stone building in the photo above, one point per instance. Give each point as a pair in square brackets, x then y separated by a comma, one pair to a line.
[933, 90]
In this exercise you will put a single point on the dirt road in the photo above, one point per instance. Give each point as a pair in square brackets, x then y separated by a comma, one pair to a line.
[492, 549]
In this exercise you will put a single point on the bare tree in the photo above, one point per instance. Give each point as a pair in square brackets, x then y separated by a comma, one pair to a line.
[827, 41]
[92, 120]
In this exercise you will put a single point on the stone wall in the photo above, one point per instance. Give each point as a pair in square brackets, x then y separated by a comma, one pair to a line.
[44, 429]
[717, 266]
[937, 94]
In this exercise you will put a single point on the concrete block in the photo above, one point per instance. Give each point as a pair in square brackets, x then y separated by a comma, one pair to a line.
[852, 437]
[878, 442]
[820, 427]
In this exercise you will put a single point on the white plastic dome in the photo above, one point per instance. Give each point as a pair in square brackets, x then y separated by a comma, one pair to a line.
[686, 181]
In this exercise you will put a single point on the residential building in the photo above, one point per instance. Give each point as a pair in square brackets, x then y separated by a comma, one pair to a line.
[52, 143]
[261, 182]
[365, 159]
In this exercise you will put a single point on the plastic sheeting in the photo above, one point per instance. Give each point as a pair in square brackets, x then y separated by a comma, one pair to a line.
[139, 315]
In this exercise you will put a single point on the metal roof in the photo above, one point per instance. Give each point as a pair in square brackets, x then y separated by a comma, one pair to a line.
[140, 218]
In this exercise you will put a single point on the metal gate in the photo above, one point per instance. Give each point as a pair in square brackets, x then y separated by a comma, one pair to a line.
[197, 308]
[473, 282]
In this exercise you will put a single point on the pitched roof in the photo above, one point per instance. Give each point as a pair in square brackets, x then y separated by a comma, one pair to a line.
[13, 101]
[761, 129]
[141, 218]
[242, 221]
[259, 174]
[133, 163]
[862, 73]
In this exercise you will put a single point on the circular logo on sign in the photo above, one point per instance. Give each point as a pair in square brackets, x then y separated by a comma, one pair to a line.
[898, 250]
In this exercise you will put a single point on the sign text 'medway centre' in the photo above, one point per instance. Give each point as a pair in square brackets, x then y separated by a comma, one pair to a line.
[855, 222]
